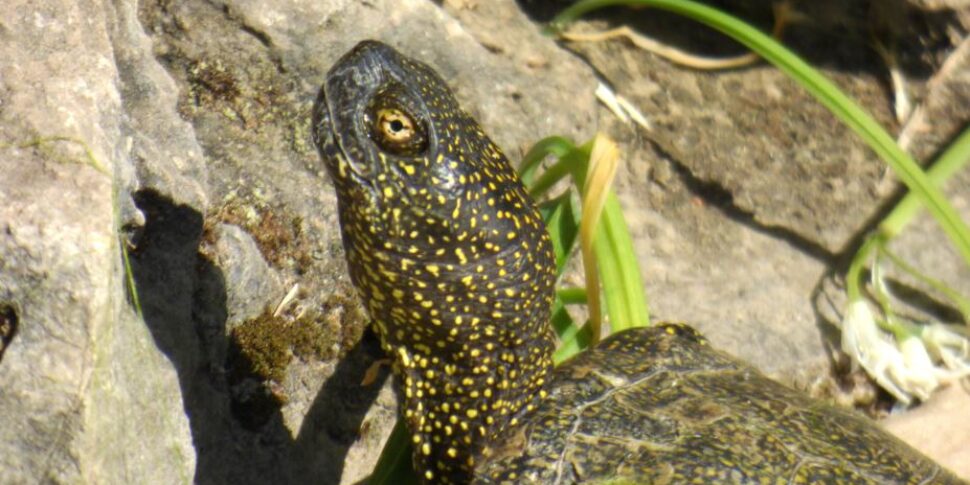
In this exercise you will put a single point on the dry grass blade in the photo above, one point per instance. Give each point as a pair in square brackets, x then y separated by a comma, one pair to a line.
[603, 162]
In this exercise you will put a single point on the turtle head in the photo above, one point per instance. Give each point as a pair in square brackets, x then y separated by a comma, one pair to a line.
[449, 254]
[389, 129]
[371, 118]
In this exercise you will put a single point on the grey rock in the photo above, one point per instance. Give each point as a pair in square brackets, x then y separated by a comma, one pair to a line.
[251, 285]
[165, 155]
[86, 395]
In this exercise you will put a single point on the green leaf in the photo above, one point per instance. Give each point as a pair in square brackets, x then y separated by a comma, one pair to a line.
[626, 302]
[562, 222]
[554, 145]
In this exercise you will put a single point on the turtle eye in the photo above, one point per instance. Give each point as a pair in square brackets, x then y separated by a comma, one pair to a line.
[394, 128]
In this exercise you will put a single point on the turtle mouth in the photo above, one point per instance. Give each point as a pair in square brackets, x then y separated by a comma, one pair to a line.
[338, 118]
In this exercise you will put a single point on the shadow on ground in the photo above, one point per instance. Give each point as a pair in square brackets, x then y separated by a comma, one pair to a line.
[834, 35]
[183, 298]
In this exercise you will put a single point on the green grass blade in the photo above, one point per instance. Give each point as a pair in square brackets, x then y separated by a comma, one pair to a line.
[572, 164]
[562, 222]
[626, 303]
[563, 225]
[572, 295]
[824, 91]
[574, 338]
[394, 465]
[962, 303]
[954, 158]
[556, 146]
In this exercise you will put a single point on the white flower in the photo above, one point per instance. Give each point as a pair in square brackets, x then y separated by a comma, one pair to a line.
[951, 345]
[918, 374]
[909, 367]
[872, 349]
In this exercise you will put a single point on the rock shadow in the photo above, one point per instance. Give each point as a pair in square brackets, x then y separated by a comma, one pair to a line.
[333, 423]
[183, 299]
[8, 326]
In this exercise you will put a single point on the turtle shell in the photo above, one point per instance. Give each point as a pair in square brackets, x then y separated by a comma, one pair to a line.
[659, 405]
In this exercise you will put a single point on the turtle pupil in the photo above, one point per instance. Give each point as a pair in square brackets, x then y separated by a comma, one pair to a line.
[396, 126]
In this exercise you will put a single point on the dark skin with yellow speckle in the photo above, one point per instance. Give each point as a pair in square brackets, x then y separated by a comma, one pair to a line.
[451, 258]
[456, 269]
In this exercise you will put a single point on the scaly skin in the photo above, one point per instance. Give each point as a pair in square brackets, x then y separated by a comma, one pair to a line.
[450, 256]
[456, 269]
[659, 405]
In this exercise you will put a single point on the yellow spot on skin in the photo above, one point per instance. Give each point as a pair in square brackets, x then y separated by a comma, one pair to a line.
[388, 192]
[426, 449]
[452, 452]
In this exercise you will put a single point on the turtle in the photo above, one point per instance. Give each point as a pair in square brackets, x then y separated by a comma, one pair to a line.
[454, 266]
